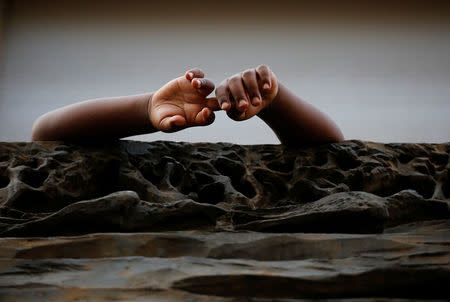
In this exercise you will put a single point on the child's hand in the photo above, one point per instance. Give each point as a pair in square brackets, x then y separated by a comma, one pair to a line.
[182, 103]
[245, 94]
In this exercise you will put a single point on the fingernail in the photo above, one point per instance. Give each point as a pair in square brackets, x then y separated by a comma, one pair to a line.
[242, 103]
[256, 101]
[199, 83]
[191, 75]
[266, 86]
[223, 106]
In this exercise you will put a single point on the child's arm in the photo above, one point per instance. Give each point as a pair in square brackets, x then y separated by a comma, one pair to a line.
[179, 104]
[294, 121]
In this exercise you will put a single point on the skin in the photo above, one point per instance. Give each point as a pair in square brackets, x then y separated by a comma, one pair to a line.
[257, 92]
[179, 104]
[183, 103]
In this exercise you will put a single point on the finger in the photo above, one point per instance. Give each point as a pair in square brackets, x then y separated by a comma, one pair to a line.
[213, 104]
[237, 90]
[204, 117]
[236, 115]
[222, 95]
[263, 73]
[210, 118]
[172, 123]
[251, 86]
[204, 86]
[194, 73]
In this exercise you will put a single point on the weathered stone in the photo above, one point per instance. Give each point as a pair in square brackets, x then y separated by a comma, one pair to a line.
[337, 213]
[220, 245]
[407, 206]
[398, 264]
[170, 221]
[120, 211]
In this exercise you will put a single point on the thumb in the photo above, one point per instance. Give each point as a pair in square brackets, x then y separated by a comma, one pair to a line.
[204, 117]
[172, 123]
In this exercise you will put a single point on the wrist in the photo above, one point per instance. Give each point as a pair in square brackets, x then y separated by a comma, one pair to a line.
[273, 104]
[147, 108]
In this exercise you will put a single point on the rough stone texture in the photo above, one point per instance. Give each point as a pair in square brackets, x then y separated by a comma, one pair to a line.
[170, 221]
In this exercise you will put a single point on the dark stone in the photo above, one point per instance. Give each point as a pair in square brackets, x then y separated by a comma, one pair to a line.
[407, 206]
[165, 221]
[42, 178]
[347, 212]
[212, 193]
[410, 262]
[120, 211]
[305, 190]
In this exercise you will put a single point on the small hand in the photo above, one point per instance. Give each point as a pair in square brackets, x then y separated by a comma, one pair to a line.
[183, 103]
[245, 94]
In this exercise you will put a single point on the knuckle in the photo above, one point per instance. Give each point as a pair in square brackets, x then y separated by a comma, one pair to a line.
[197, 71]
[221, 88]
[263, 68]
[235, 79]
[248, 73]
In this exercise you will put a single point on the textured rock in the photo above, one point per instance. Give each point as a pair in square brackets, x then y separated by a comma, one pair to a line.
[347, 212]
[120, 211]
[220, 222]
[411, 261]
[43, 181]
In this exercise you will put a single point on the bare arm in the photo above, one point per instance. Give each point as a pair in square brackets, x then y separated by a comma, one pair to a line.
[257, 92]
[179, 104]
[297, 122]
[96, 119]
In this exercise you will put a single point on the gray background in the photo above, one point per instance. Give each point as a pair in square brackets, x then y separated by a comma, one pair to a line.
[380, 69]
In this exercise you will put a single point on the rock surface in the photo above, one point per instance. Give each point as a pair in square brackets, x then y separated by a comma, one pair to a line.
[167, 221]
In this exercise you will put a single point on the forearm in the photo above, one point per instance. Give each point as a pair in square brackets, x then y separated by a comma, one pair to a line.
[106, 118]
[297, 122]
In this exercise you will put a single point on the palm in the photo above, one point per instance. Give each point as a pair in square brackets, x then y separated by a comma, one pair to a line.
[178, 105]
